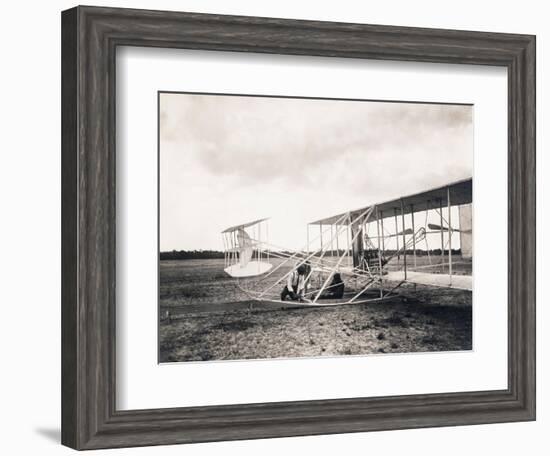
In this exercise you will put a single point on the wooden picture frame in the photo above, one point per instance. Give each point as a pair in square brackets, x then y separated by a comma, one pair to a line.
[90, 36]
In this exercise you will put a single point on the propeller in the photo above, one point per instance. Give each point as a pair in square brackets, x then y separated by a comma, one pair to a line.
[401, 233]
[431, 226]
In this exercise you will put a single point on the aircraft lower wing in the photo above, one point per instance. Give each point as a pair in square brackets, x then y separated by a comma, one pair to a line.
[250, 269]
[461, 282]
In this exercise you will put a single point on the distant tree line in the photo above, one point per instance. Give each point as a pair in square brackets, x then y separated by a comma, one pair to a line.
[419, 252]
[216, 254]
[191, 255]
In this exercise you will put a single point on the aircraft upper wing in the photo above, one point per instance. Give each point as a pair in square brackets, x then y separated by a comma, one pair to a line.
[244, 225]
[460, 193]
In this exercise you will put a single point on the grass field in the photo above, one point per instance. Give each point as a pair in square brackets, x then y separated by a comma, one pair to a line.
[205, 316]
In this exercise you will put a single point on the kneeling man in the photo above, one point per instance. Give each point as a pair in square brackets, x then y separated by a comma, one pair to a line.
[295, 284]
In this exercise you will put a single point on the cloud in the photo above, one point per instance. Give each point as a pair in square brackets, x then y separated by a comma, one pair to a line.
[242, 151]
[259, 138]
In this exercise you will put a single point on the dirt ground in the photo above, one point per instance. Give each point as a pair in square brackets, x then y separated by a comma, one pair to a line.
[205, 317]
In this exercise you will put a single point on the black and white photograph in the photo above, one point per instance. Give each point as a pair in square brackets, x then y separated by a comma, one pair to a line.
[275, 228]
[307, 227]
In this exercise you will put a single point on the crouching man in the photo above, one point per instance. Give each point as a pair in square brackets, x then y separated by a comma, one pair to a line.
[336, 289]
[295, 284]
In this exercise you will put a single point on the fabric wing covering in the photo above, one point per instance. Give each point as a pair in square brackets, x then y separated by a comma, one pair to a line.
[460, 194]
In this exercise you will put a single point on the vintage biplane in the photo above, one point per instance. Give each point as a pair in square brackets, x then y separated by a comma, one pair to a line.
[420, 239]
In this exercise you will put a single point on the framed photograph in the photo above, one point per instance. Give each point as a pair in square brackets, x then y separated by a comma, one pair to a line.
[279, 228]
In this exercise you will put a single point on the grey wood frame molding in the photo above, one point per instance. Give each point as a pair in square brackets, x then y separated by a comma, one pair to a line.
[90, 36]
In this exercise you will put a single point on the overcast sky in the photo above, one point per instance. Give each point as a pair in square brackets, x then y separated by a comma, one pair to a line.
[225, 160]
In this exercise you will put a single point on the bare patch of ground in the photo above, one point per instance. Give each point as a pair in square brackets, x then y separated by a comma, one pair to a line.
[388, 327]
[205, 316]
